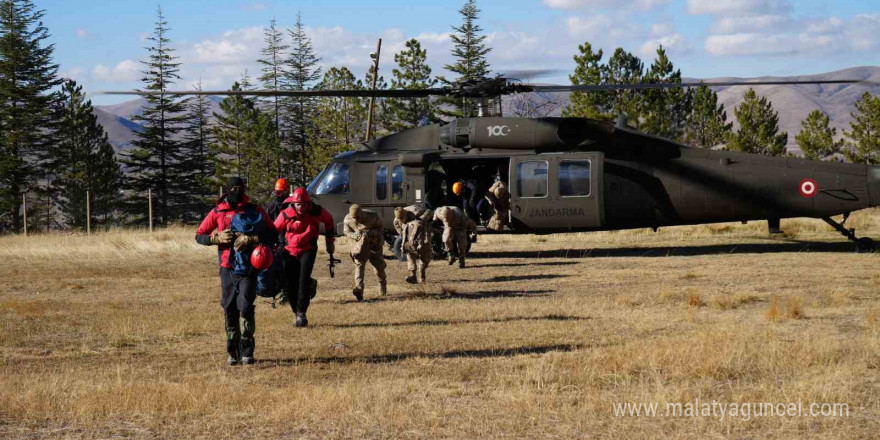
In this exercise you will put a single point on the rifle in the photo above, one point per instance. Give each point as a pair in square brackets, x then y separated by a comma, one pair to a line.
[332, 265]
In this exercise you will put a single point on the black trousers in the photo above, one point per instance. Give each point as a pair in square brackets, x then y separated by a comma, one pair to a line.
[298, 277]
[238, 294]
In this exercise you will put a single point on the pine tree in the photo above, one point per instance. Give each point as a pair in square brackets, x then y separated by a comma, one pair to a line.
[155, 161]
[816, 138]
[84, 163]
[707, 124]
[27, 75]
[274, 55]
[301, 74]
[262, 155]
[197, 137]
[469, 50]
[665, 111]
[339, 122]
[864, 134]
[412, 73]
[624, 68]
[588, 70]
[759, 127]
[233, 138]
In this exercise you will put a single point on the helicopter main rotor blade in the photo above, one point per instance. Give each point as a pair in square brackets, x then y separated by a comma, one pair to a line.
[389, 93]
[645, 86]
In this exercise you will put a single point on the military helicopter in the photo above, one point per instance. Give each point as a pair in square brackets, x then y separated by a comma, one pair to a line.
[577, 174]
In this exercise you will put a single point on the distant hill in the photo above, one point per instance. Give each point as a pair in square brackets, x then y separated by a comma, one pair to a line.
[793, 103]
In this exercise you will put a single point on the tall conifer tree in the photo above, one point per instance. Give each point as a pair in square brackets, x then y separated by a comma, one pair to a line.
[197, 137]
[759, 127]
[27, 75]
[707, 124]
[233, 136]
[339, 122]
[864, 134]
[816, 138]
[302, 73]
[156, 161]
[412, 73]
[274, 55]
[84, 162]
[470, 50]
[665, 111]
[588, 70]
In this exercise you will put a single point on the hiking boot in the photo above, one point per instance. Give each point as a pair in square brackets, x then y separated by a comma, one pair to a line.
[461, 264]
[248, 360]
[411, 279]
[358, 293]
[451, 260]
[301, 320]
[232, 360]
[383, 289]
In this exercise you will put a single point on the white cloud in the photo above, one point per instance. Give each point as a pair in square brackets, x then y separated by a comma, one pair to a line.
[674, 44]
[601, 28]
[615, 4]
[74, 73]
[124, 71]
[738, 7]
[82, 33]
[235, 46]
[759, 23]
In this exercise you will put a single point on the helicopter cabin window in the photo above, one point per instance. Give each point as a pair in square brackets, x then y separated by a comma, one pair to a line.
[381, 182]
[335, 180]
[397, 183]
[531, 179]
[574, 178]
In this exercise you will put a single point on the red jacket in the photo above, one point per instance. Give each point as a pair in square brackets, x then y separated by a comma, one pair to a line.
[301, 231]
[220, 218]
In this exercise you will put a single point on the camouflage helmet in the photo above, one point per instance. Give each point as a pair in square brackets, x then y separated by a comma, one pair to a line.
[354, 210]
[399, 213]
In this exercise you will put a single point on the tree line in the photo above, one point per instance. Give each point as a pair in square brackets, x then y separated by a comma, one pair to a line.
[54, 151]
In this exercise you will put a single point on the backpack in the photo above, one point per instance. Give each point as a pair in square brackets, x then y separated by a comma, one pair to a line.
[248, 222]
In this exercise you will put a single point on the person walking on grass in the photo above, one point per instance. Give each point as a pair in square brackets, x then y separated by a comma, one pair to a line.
[302, 223]
[238, 281]
[364, 227]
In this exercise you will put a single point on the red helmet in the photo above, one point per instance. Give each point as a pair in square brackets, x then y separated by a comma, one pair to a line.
[300, 195]
[281, 185]
[261, 257]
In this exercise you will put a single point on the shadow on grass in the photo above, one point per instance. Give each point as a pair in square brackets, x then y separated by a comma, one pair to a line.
[397, 357]
[539, 263]
[440, 322]
[677, 251]
[505, 278]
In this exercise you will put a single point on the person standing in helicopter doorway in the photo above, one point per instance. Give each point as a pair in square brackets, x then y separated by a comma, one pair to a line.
[238, 283]
[302, 223]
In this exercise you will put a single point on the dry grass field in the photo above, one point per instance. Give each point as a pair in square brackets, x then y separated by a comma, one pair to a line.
[119, 335]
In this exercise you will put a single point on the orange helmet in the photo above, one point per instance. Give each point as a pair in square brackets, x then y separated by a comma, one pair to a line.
[456, 188]
[281, 185]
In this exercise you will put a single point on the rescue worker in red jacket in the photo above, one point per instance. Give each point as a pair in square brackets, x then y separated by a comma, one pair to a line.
[302, 223]
[238, 292]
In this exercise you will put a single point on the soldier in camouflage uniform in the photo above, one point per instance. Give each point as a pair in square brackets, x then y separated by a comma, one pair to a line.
[413, 223]
[364, 227]
[457, 230]
[499, 199]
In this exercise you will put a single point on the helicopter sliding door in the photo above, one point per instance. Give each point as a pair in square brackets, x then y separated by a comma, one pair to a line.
[557, 191]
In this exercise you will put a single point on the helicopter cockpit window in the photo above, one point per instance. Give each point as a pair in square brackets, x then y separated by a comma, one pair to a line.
[531, 178]
[574, 178]
[335, 180]
[397, 182]
[381, 182]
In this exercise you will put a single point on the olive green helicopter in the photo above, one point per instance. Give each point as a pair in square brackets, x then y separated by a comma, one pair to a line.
[578, 174]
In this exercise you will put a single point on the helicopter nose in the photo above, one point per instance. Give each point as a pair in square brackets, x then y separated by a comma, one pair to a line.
[874, 185]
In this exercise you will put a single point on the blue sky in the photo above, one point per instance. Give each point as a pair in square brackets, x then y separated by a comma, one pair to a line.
[100, 43]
